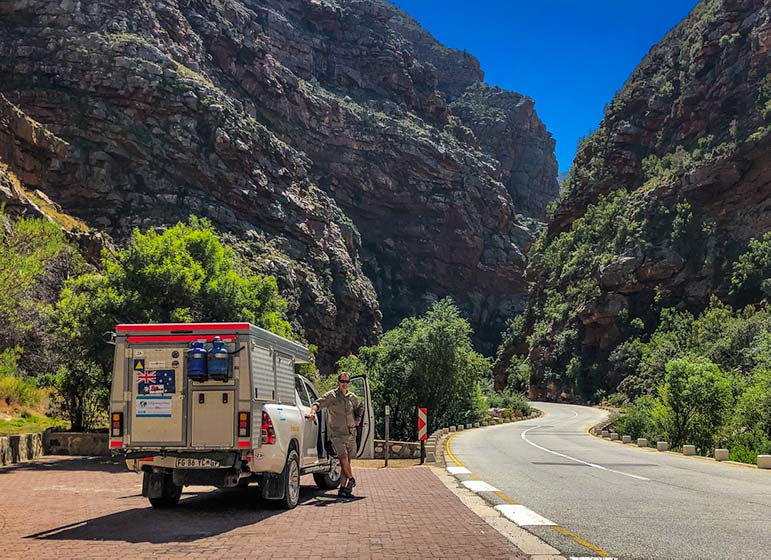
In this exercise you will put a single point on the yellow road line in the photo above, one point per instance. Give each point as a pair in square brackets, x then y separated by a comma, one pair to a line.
[449, 452]
[504, 497]
[580, 541]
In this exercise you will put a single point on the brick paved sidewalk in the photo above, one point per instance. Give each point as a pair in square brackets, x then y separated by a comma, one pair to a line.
[90, 508]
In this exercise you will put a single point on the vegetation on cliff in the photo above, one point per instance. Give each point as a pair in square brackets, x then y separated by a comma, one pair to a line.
[666, 206]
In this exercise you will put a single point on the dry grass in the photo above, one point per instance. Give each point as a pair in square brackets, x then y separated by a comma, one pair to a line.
[70, 223]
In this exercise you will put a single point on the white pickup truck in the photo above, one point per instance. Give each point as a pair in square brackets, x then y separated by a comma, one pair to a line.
[240, 421]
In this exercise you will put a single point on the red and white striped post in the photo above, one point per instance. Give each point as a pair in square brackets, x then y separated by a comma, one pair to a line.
[422, 432]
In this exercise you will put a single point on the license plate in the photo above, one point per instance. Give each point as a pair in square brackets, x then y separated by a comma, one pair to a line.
[189, 463]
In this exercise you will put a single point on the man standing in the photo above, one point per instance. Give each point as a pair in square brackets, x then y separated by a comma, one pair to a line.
[344, 413]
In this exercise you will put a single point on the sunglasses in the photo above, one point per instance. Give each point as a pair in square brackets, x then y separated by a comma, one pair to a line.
[343, 380]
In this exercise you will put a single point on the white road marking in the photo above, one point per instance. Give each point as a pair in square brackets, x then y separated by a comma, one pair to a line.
[458, 470]
[522, 516]
[577, 460]
[479, 486]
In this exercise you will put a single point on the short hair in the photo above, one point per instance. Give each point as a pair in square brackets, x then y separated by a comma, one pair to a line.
[341, 374]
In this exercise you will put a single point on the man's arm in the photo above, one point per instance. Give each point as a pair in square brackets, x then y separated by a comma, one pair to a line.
[322, 402]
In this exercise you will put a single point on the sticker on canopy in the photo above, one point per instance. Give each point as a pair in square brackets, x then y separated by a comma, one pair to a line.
[153, 407]
[139, 365]
[160, 381]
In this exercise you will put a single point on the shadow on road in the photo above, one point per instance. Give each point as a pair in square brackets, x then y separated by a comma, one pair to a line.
[197, 516]
[101, 464]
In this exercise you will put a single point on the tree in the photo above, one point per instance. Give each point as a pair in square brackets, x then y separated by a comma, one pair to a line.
[183, 274]
[35, 260]
[429, 362]
[694, 402]
[751, 279]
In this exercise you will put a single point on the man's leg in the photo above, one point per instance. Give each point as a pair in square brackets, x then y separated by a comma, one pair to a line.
[351, 453]
[345, 466]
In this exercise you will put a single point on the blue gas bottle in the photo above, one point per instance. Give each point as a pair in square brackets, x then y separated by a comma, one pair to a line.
[219, 360]
[196, 359]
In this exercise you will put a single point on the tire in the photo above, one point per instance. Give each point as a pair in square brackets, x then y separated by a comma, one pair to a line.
[171, 495]
[291, 478]
[329, 480]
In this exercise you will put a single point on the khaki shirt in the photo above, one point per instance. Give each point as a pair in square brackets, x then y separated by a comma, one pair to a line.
[341, 410]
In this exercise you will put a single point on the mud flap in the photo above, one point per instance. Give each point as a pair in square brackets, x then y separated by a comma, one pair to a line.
[273, 486]
[152, 484]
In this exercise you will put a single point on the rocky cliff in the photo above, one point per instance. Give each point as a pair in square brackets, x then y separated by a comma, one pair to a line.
[659, 202]
[317, 134]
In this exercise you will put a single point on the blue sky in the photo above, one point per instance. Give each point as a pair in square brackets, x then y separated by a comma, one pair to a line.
[570, 56]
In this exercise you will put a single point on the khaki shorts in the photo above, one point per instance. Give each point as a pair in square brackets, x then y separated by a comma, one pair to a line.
[344, 446]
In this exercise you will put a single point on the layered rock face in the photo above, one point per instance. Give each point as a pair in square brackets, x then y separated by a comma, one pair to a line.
[30, 146]
[688, 139]
[316, 134]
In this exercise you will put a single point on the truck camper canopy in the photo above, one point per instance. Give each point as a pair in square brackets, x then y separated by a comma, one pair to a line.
[190, 332]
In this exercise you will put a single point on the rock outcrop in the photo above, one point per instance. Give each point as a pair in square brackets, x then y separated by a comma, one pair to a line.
[687, 139]
[317, 134]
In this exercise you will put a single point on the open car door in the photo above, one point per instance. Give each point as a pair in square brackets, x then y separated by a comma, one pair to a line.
[365, 433]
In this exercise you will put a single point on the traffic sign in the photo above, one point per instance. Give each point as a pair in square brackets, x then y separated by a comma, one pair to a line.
[422, 421]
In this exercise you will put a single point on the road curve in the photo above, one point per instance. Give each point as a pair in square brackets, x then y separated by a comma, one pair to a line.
[619, 499]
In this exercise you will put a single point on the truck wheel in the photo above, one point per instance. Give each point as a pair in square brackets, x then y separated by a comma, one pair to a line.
[329, 480]
[291, 481]
[171, 494]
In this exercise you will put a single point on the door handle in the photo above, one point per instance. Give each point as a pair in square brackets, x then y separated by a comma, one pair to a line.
[201, 398]
[224, 398]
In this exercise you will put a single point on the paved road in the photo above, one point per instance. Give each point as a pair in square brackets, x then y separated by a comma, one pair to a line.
[88, 509]
[629, 502]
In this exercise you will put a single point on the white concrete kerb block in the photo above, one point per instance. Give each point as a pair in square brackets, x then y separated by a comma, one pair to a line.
[613, 436]
[605, 433]
[452, 428]
[642, 442]
[662, 446]
[626, 439]
[721, 454]
[764, 461]
[689, 450]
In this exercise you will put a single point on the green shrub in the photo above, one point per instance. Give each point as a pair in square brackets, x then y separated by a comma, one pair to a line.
[751, 279]
[16, 391]
[636, 419]
[516, 403]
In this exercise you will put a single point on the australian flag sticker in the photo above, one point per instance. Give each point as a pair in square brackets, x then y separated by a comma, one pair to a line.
[156, 382]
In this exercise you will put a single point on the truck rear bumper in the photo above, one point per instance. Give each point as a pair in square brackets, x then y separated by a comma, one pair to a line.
[137, 460]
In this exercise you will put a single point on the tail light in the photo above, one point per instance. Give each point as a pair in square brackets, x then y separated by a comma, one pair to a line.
[117, 425]
[244, 425]
[268, 433]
